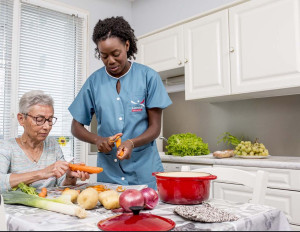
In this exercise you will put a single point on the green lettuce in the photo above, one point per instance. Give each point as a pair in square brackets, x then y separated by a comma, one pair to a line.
[186, 144]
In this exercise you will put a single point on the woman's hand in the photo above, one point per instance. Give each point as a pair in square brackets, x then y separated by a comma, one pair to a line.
[78, 174]
[105, 144]
[58, 169]
[124, 150]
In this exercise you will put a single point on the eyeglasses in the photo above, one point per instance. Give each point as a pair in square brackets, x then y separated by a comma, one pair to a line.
[40, 120]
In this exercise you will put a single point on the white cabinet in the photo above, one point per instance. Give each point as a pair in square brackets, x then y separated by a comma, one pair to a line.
[207, 68]
[162, 51]
[264, 38]
[248, 50]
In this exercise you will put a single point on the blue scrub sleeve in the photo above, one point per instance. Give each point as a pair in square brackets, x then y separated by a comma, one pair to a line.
[157, 96]
[83, 107]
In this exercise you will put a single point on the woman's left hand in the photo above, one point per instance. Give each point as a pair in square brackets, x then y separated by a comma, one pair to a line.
[78, 174]
[124, 150]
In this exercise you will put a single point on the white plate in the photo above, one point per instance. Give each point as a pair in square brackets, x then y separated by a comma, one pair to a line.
[252, 156]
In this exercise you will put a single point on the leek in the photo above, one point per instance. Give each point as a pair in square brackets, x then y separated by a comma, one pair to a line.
[56, 205]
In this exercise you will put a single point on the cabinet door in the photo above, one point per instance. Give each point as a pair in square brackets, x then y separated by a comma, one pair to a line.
[265, 48]
[207, 65]
[162, 51]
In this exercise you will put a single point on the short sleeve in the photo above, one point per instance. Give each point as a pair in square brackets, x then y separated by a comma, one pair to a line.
[83, 107]
[157, 96]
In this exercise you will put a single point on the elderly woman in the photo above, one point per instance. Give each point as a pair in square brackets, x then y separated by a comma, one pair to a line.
[34, 158]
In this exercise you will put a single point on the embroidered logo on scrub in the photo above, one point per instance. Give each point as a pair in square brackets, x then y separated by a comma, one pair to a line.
[137, 106]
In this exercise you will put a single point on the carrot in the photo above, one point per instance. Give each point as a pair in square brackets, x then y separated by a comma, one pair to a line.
[121, 153]
[83, 168]
[43, 193]
[118, 142]
[120, 189]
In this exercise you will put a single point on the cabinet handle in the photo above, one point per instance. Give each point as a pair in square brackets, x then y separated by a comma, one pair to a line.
[179, 62]
[186, 60]
[231, 49]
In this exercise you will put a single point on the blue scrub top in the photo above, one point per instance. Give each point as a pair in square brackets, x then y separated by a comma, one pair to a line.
[141, 89]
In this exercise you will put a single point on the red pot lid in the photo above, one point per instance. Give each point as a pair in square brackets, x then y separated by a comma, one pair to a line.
[139, 222]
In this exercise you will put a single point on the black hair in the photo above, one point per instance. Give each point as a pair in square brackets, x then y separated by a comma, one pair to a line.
[115, 27]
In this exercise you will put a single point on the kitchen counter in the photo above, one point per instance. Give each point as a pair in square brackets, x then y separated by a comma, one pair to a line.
[282, 162]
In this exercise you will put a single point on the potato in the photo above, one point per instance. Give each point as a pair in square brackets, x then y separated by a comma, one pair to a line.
[88, 198]
[109, 199]
[73, 193]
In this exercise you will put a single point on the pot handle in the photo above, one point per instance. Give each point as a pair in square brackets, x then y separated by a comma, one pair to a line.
[154, 173]
[211, 177]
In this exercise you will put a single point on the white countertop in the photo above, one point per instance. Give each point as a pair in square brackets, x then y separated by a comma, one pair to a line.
[283, 162]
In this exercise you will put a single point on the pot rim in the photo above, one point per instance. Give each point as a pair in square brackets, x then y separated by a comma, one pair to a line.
[200, 178]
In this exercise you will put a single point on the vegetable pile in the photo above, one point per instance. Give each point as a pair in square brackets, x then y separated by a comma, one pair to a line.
[187, 144]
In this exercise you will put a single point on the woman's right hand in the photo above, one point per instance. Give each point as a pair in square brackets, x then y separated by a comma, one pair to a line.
[105, 144]
[58, 169]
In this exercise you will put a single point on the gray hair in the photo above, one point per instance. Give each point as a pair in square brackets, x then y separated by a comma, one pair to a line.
[34, 97]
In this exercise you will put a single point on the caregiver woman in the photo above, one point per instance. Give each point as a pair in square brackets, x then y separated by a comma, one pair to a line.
[127, 99]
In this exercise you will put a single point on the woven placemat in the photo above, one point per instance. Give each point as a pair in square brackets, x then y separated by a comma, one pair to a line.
[204, 213]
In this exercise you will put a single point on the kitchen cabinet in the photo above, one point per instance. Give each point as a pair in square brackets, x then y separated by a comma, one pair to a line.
[264, 40]
[283, 187]
[207, 67]
[162, 51]
[246, 50]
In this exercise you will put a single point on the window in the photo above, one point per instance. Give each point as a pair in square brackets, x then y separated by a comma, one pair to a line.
[6, 19]
[51, 57]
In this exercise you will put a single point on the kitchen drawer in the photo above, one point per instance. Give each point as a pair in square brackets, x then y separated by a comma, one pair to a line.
[287, 201]
[176, 167]
[278, 178]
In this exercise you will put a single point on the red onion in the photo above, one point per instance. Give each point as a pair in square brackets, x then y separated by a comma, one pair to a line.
[131, 197]
[151, 198]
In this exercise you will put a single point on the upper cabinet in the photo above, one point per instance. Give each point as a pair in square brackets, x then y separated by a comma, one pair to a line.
[250, 49]
[162, 51]
[265, 44]
[207, 67]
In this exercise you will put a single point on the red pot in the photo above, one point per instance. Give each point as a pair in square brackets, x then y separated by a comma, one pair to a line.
[183, 188]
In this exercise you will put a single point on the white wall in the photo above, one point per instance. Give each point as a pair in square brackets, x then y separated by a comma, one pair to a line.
[149, 15]
[100, 9]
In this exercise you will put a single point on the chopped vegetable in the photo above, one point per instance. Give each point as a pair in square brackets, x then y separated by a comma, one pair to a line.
[99, 188]
[120, 188]
[229, 139]
[187, 144]
[26, 189]
[56, 205]
[83, 168]
[43, 193]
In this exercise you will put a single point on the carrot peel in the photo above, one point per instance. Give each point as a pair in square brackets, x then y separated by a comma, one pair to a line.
[83, 168]
[43, 193]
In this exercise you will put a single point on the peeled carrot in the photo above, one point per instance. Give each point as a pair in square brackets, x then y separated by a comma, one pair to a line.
[83, 168]
[118, 142]
[43, 193]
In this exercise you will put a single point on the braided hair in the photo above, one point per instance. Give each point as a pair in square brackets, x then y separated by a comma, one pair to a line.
[115, 27]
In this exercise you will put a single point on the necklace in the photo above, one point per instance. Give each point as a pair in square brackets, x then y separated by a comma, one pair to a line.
[29, 151]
